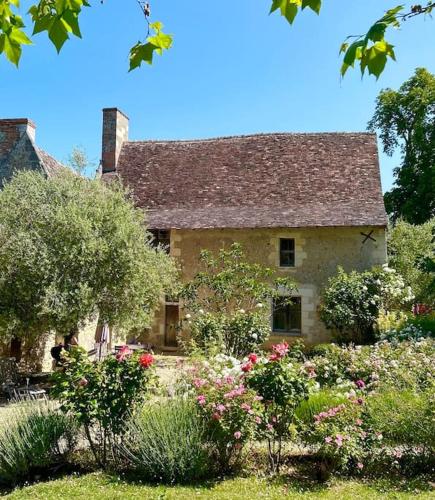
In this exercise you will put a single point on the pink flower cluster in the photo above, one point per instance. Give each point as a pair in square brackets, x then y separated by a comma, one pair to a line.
[237, 391]
[337, 440]
[123, 353]
[332, 412]
[279, 351]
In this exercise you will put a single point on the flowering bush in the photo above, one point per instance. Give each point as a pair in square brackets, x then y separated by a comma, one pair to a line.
[405, 364]
[282, 385]
[232, 410]
[101, 395]
[351, 303]
[344, 437]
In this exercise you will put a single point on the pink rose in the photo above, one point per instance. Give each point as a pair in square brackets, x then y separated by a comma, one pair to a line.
[253, 358]
[360, 384]
[201, 400]
[237, 434]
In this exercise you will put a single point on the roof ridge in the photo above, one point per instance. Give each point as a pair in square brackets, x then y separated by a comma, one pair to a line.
[247, 136]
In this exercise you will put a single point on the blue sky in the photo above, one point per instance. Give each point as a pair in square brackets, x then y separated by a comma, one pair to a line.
[233, 70]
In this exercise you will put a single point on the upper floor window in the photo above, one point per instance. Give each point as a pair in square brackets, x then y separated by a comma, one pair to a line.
[287, 316]
[287, 252]
[162, 238]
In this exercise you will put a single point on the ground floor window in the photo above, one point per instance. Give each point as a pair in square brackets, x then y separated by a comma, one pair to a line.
[286, 316]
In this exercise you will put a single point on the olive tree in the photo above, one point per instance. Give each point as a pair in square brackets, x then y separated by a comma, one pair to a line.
[72, 248]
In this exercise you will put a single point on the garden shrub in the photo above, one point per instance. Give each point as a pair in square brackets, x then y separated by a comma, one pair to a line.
[409, 327]
[229, 408]
[101, 395]
[167, 442]
[351, 302]
[282, 385]
[34, 436]
[236, 335]
[403, 365]
[344, 438]
[226, 302]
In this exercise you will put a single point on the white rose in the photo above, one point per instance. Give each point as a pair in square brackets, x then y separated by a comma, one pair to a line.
[241, 311]
[188, 316]
[259, 305]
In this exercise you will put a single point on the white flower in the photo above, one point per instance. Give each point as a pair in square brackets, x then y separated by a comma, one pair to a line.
[188, 316]
[259, 305]
[241, 311]
[201, 311]
[254, 336]
[365, 288]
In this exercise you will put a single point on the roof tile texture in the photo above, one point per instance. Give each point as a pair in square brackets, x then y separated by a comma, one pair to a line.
[267, 180]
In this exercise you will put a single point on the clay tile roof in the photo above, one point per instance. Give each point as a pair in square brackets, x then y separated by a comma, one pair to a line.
[267, 180]
[51, 165]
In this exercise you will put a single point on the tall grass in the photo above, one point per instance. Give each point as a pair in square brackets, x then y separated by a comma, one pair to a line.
[166, 442]
[404, 417]
[33, 436]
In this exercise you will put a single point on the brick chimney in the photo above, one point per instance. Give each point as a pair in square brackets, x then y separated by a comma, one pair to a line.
[11, 131]
[115, 132]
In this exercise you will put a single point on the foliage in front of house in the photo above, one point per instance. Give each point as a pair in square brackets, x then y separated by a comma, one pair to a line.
[228, 302]
[71, 248]
[359, 409]
[100, 396]
[411, 248]
[352, 302]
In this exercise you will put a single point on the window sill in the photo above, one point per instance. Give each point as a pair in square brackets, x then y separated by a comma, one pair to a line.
[286, 334]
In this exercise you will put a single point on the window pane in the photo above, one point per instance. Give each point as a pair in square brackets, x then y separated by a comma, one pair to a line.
[286, 252]
[287, 316]
[162, 238]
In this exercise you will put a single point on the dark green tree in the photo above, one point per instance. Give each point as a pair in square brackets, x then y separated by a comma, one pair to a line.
[71, 248]
[405, 119]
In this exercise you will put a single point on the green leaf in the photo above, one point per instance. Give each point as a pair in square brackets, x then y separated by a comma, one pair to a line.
[141, 52]
[58, 34]
[290, 12]
[42, 24]
[12, 50]
[314, 5]
[71, 20]
[18, 36]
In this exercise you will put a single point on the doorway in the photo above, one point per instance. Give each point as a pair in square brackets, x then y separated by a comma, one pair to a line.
[172, 318]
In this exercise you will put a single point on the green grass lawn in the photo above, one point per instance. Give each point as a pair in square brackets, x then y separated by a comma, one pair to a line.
[98, 485]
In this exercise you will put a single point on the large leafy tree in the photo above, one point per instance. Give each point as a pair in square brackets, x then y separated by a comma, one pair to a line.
[60, 18]
[411, 251]
[405, 119]
[71, 248]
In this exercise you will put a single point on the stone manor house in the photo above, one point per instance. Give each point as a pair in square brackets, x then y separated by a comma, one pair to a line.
[303, 203]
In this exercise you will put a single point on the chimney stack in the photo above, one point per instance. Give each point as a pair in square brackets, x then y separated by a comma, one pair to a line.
[11, 131]
[115, 133]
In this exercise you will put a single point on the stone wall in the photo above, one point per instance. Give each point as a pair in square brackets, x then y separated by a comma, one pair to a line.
[318, 252]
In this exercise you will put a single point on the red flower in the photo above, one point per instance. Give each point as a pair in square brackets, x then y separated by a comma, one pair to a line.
[253, 358]
[247, 367]
[123, 353]
[146, 360]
